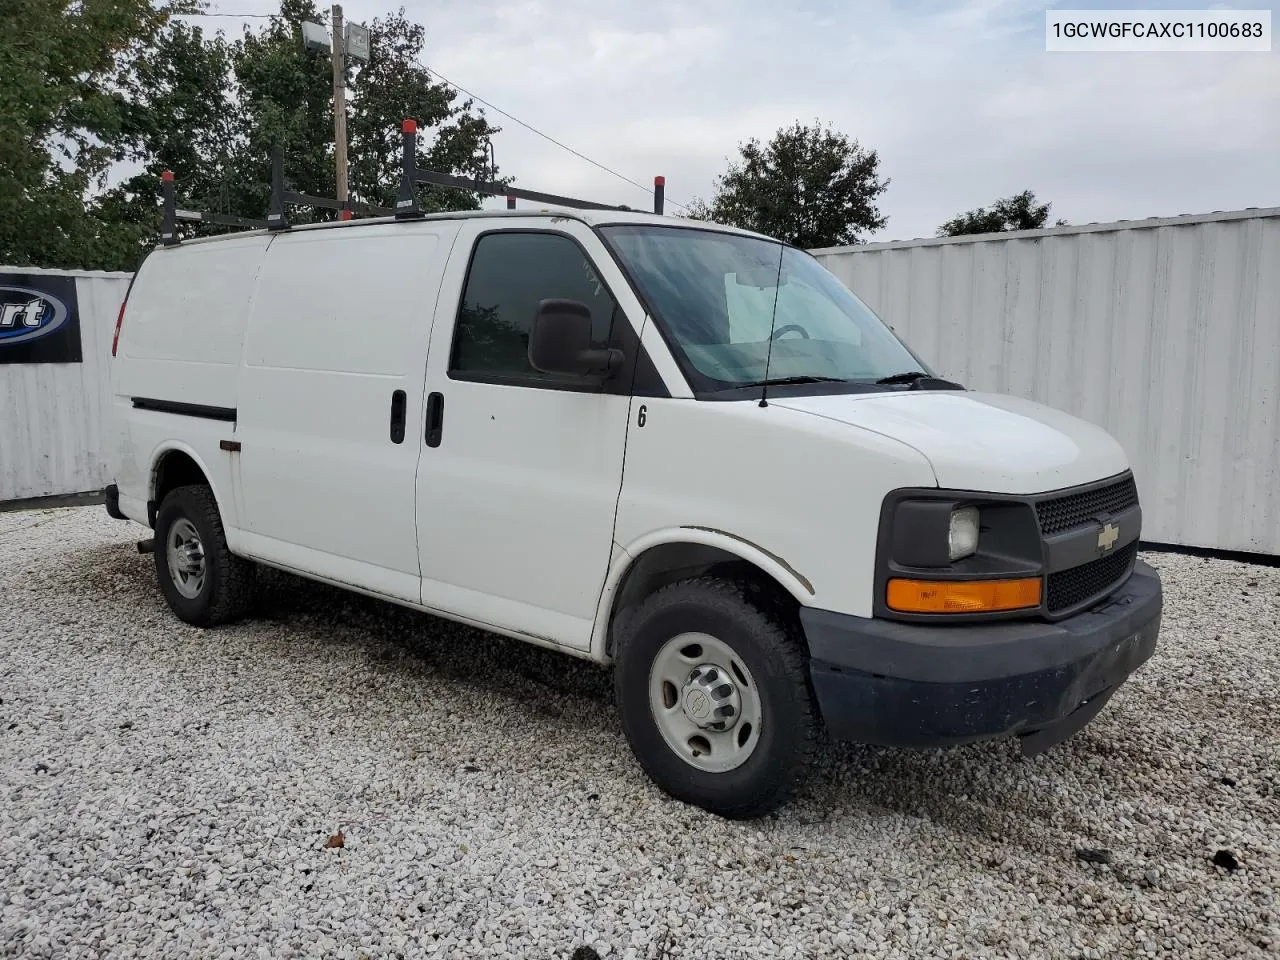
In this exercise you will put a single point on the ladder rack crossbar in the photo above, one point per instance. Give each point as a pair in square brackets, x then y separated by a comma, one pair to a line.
[223, 219]
[406, 198]
[329, 203]
[499, 190]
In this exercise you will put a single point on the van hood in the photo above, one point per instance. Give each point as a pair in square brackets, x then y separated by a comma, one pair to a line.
[980, 441]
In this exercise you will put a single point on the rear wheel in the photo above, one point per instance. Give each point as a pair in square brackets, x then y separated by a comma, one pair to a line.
[712, 690]
[204, 583]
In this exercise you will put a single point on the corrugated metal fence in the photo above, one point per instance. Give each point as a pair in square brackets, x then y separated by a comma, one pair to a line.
[51, 427]
[1164, 332]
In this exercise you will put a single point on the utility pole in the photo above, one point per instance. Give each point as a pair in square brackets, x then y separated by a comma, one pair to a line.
[340, 106]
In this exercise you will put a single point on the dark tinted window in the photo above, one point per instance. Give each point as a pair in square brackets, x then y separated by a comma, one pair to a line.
[510, 274]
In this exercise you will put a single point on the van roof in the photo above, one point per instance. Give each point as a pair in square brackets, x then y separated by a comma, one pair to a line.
[588, 216]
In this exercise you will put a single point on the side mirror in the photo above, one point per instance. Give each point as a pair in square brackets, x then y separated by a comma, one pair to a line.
[560, 342]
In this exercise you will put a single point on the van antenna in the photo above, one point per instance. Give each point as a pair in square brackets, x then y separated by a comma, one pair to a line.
[773, 323]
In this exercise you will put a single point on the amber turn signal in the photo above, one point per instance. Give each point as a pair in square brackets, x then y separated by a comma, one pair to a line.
[962, 596]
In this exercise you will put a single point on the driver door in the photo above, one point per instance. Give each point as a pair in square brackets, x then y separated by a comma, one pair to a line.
[519, 481]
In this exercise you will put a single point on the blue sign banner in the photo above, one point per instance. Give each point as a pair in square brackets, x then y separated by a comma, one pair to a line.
[39, 319]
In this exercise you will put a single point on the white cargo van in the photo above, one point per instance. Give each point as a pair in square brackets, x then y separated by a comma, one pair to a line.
[682, 450]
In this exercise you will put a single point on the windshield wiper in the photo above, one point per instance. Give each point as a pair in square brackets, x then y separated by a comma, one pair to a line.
[780, 381]
[918, 379]
[911, 376]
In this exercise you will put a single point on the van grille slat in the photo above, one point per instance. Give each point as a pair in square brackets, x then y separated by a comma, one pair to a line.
[1080, 509]
[1068, 588]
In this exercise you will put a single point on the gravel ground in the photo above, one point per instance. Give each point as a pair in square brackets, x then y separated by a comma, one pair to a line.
[166, 791]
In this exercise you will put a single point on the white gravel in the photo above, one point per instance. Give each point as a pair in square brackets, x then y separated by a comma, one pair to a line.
[168, 792]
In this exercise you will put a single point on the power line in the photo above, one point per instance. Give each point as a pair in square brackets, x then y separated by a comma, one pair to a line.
[547, 137]
[322, 16]
[528, 126]
[236, 16]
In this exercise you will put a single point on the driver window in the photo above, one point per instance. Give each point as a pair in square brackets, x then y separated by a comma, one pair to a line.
[510, 273]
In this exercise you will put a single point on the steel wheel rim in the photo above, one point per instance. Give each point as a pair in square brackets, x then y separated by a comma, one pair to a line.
[688, 700]
[184, 552]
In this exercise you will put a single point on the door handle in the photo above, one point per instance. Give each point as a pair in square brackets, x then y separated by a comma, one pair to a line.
[435, 418]
[397, 416]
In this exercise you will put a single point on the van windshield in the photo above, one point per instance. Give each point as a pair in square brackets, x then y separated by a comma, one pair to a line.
[714, 295]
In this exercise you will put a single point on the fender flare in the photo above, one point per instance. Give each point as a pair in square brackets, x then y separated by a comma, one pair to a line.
[791, 579]
[178, 446]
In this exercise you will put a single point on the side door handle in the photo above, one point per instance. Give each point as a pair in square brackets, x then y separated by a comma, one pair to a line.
[397, 416]
[435, 418]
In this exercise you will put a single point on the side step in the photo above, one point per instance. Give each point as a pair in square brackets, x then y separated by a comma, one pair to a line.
[147, 546]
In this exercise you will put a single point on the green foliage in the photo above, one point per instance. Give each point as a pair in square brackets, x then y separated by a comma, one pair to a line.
[392, 86]
[810, 186]
[101, 96]
[61, 120]
[177, 115]
[1019, 212]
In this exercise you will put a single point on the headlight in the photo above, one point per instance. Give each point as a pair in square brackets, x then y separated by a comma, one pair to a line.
[962, 534]
[957, 554]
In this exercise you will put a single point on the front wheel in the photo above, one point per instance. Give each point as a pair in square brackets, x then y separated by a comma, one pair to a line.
[712, 689]
[204, 583]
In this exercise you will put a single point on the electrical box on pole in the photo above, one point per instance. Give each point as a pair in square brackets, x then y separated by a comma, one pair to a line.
[315, 37]
[358, 42]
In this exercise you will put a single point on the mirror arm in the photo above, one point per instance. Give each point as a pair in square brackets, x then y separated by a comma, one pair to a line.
[603, 362]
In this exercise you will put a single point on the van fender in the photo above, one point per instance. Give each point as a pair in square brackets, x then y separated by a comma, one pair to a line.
[791, 579]
[181, 446]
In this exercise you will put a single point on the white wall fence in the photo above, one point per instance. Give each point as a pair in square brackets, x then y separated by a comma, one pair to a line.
[51, 414]
[1165, 332]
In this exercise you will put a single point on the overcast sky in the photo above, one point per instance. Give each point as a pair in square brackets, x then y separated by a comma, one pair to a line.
[960, 99]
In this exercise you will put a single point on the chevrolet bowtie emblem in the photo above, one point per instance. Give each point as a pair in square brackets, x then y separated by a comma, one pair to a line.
[1108, 537]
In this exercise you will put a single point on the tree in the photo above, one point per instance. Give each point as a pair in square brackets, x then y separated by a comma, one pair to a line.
[1019, 212]
[809, 186]
[283, 95]
[61, 120]
[177, 114]
[99, 87]
[453, 137]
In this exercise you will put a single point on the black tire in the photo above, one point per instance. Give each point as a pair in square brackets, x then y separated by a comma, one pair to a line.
[227, 590]
[774, 654]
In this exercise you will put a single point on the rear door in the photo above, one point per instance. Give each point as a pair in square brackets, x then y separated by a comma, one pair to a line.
[330, 406]
[520, 477]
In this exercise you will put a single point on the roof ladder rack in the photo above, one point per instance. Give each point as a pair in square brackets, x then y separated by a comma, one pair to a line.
[411, 176]
[407, 195]
[406, 207]
[172, 214]
[281, 197]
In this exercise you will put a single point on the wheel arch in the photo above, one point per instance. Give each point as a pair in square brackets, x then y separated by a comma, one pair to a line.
[175, 464]
[665, 556]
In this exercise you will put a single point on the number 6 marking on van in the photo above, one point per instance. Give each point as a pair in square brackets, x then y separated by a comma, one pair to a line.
[643, 415]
